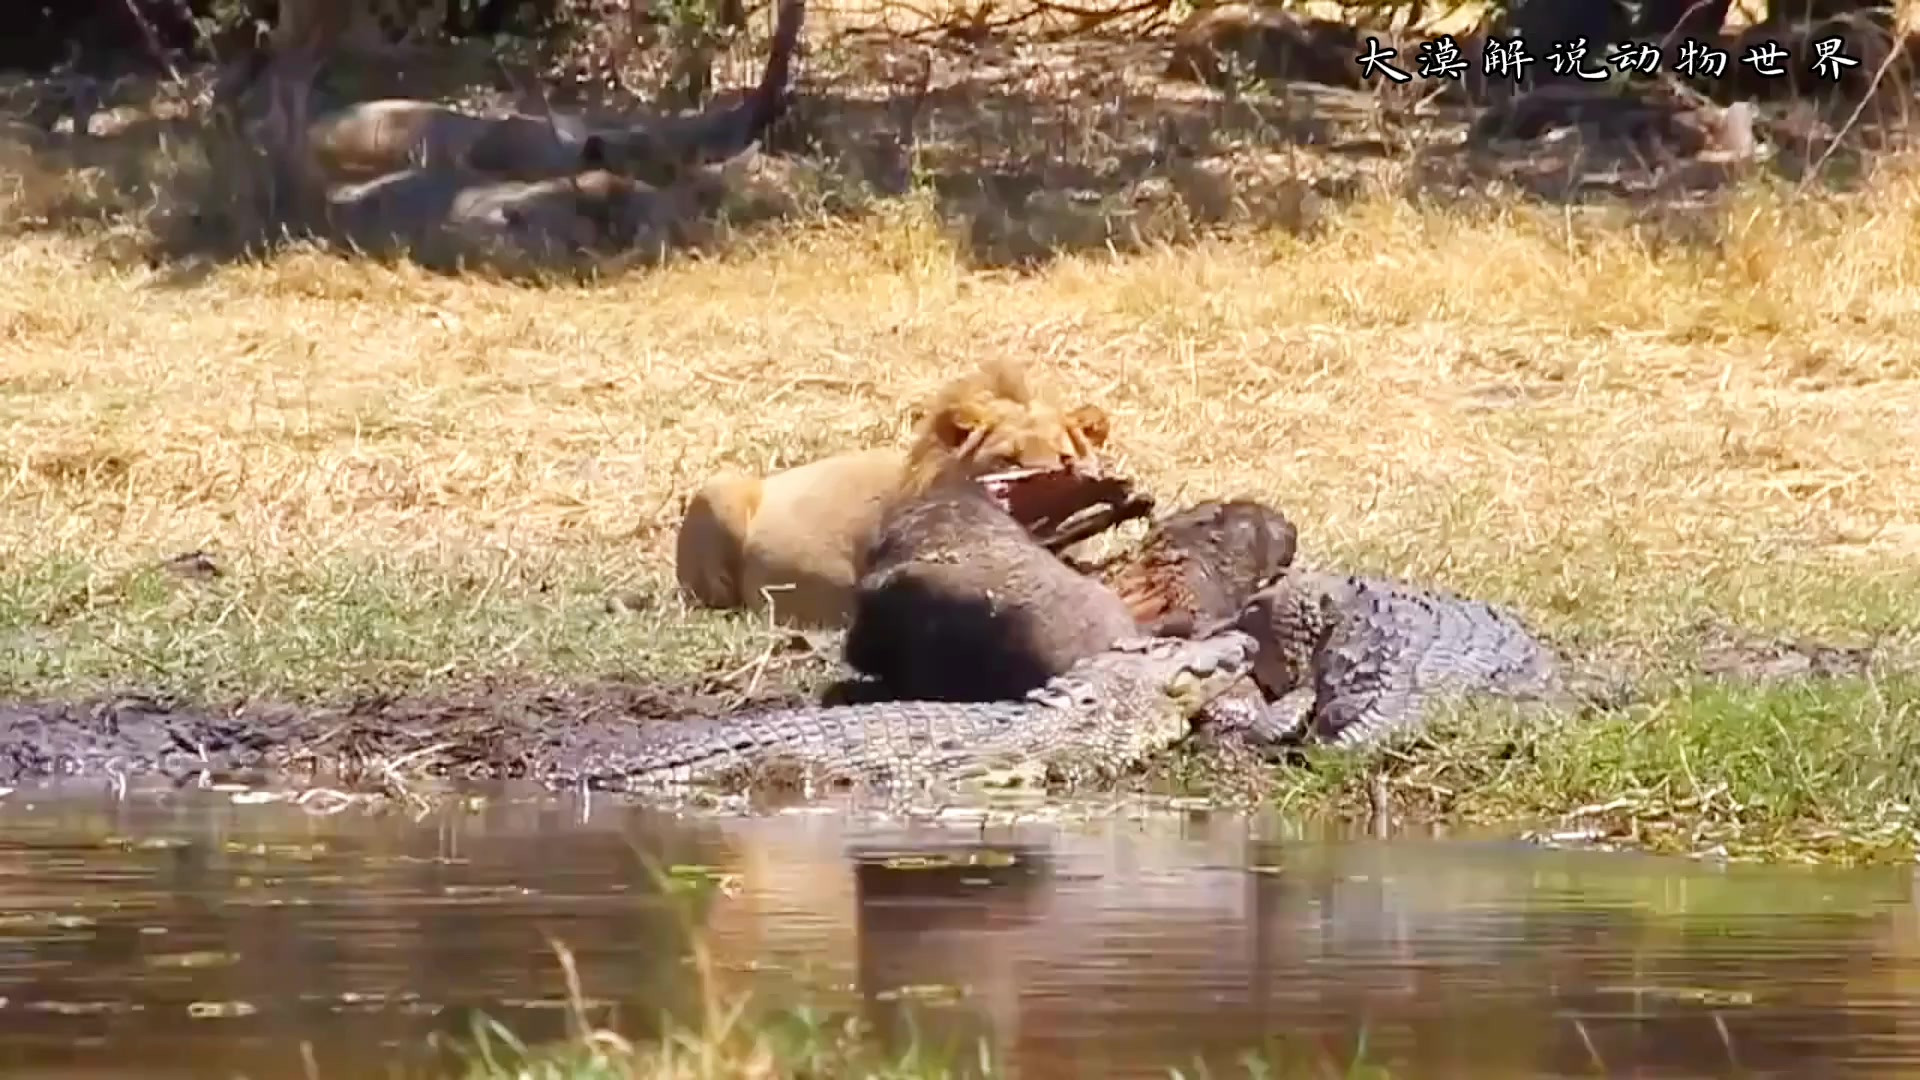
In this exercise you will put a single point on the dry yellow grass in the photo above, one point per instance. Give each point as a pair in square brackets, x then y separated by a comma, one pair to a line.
[1620, 420]
[1441, 18]
[1537, 406]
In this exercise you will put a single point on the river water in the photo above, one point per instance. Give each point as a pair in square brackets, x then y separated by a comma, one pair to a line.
[199, 933]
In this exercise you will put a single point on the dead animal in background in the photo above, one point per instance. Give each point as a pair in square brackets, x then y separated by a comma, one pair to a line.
[960, 603]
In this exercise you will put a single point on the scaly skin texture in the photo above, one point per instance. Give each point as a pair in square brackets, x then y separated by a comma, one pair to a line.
[1102, 717]
[1377, 652]
[1108, 712]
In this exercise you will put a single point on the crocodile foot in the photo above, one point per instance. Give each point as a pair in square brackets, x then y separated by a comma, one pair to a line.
[1022, 776]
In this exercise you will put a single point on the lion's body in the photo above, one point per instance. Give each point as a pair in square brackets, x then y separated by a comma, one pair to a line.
[369, 139]
[442, 213]
[364, 140]
[786, 538]
[796, 538]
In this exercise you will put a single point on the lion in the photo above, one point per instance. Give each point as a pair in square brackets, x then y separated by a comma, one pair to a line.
[794, 539]
[369, 139]
[365, 140]
[441, 214]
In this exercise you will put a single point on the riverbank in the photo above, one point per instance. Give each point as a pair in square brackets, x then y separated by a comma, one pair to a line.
[1809, 771]
[319, 481]
[582, 935]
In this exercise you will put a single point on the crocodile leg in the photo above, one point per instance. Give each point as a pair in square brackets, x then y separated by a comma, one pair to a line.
[1364, 684]
[1378, 651]
[1249, 722]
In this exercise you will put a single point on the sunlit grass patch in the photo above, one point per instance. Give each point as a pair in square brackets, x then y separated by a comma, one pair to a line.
[1620, 419]
[793, 1043]
[804, 1042]
[1827, 771]
[338, 628]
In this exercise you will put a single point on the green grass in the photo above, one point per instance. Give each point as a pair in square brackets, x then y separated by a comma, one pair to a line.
[1618, 418]
[1825, 769]
[1806, 771]
[738, 1036]
[794, 1043]
[333, 629]
[801, 1042]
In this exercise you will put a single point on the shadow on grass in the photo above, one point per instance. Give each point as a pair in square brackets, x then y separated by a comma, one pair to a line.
[1023, 153]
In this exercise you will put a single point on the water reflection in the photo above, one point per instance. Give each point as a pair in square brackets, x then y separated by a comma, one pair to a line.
[180, 933]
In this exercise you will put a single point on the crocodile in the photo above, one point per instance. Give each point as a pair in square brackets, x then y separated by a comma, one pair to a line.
[1374, 653]
[1111, 709]
[1105, 714]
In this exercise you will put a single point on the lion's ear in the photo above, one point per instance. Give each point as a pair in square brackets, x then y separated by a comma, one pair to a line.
[955, 425]
[1092, 422]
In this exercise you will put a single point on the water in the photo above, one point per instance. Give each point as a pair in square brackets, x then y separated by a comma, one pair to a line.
[183, 933]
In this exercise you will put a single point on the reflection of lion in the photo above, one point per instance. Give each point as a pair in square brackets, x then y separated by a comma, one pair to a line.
[794, 538]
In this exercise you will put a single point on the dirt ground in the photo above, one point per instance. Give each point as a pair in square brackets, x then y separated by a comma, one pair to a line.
[1620, 391]
[497, 730]
[560, 734]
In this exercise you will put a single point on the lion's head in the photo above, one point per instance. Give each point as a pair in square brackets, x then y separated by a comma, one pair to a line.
[989, 422]
[1040, 462]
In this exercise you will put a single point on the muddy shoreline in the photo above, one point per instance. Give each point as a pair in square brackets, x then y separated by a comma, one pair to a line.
[559, 734]
[556, 734]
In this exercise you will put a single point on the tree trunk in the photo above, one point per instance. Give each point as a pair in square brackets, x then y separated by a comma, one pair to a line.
[268, 96]
[490, 19]
[1677, 20]
[323, 26]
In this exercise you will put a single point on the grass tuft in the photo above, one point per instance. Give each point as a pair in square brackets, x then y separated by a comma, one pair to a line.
[1621, 417]
[1822, 772]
